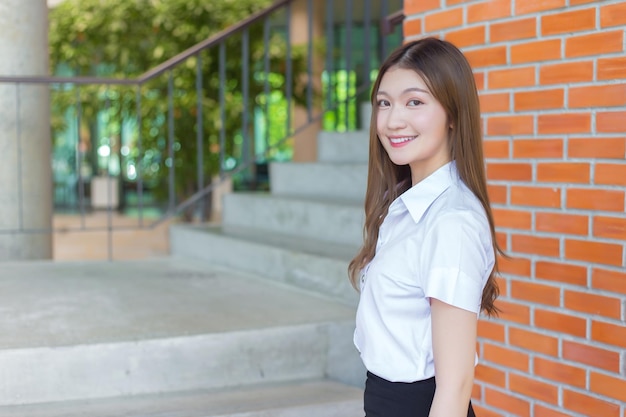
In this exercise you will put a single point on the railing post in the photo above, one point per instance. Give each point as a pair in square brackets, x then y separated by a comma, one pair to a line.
[170, 141]
[139, 162]
[199, 136]
[222, 101]
[330, 45]
[245, 85]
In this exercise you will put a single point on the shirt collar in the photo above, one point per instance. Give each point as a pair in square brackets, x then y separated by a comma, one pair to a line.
[419, 197]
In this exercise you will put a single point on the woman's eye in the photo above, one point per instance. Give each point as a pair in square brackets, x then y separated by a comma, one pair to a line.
[383, 103]
[414, 102]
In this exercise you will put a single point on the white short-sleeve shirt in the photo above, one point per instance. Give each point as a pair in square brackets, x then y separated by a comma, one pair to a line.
[435, 242]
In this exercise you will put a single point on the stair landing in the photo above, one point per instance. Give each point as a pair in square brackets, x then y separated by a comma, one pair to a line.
[56, 304]
[77, 331]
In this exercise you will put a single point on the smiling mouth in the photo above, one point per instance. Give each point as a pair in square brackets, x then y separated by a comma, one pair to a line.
[399, 141]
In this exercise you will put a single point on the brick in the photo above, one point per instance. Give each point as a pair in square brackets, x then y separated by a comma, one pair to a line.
[604, 279]
[562, 223]
[513, 30]
[588, 405]
[543, 411]
[502, 282]
[538, 148]
[501, 240]
[419, 6]
[485, 57]
[543, 50]
[495, 102]
[443, 20]
[591, 356]
[598, 96]
[578, 2]
[611, 68]
[594, 44]
[538, 293]
[532, 6]
[511, 78]
[515, 312]
[568, 72]
[505, 357]
[534, 389]
[412, 27]
[608, 333]
[558, 371]
[490, 330]
[611, 122]
[567, 22]
[567, 172]
[534, 341]
[561, 272]
[467, 37]
[536, 245]
[536, 196]
[613, 387]
[609, 227]
[512, 219]
[613, 15]
[564, 123]
[476, 392]
[509, 171]
[490, 375]
[560, 322]
[496, 148]
[510, 125]
[610, 174]
[593, 304]
[537, 100]
[497, 193]
[609, 148]
[594, 252]
[515, 266]
[479, 78]
[488, 10]
[484, 412]
[595, 199]
[502, 400]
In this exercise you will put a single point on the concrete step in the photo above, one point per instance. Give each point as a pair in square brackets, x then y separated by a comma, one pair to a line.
[313, 265]
[343, 147]
[338, 221]
[87, 330]
[300, 399]
[323, 180]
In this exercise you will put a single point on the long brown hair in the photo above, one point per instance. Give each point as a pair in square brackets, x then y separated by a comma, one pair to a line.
[449, 77]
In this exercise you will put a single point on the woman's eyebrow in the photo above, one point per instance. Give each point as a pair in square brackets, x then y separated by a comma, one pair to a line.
[408, 90]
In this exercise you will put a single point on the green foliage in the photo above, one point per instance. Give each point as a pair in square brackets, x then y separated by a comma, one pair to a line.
[125, 38]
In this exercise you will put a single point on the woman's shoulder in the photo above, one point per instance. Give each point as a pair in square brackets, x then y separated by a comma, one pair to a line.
[458, 202]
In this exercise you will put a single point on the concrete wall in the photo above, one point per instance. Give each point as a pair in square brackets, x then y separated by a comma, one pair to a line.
[552, 80]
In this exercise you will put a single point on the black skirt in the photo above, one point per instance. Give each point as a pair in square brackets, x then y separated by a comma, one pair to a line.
[400, 399]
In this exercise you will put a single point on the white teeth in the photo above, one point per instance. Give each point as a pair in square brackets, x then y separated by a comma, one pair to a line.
[402, 140]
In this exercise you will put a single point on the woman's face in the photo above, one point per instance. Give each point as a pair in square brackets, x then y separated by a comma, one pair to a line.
[412, 125]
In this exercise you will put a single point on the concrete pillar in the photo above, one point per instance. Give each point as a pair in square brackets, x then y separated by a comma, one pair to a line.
[305, 143]
[25, 145]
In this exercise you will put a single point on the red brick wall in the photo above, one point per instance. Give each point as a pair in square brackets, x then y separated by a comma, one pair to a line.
[552, 80]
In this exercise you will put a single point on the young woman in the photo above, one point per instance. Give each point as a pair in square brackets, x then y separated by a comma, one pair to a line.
[427, 266]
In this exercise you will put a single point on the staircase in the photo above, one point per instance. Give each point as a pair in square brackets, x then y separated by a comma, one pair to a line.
[253, 318]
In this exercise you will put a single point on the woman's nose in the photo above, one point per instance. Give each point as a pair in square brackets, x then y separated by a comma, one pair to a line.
[397, 118]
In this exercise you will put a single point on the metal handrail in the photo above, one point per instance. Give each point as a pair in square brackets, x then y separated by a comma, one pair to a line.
[387, 24]
[211, 41]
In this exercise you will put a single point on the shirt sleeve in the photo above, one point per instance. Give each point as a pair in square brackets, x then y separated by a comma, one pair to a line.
[457, 259]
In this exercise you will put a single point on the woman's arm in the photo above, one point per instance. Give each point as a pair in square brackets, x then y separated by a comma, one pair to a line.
[454, 350]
